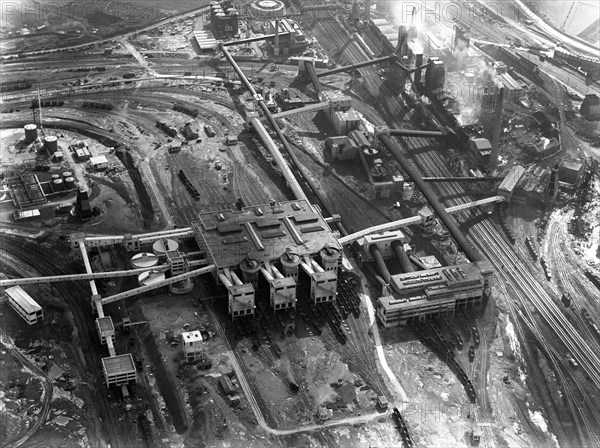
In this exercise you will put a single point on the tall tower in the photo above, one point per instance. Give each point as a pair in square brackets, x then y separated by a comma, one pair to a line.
[497, 131]
[367, 11]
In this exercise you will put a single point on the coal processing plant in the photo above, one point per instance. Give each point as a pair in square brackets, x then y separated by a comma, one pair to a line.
[291, 224]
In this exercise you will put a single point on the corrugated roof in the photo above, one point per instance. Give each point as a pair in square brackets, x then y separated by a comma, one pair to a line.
[19, 295]
[512, 178]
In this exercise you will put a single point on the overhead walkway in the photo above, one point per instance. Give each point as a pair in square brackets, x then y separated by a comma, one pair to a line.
[348, 68]
[252, 39]
[463, 179]
[393, 225]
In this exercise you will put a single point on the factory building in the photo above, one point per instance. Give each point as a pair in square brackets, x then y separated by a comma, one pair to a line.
[224, 19]
[569, 174]
[341, 147]
[291, 38]
[590, 107]
[24, 305]
[272, 242]
[435, 292]
[480, 147]
[205, 40]
[508, 184]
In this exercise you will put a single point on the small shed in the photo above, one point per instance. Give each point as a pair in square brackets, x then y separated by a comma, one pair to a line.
[99, 162]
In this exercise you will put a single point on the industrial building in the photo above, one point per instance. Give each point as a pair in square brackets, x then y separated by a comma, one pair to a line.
[205, 40]
[289, 36]
[192, 345]
[590, 107]
[274, 241]
[224, 19]
[119, 370]
[434, 293]
[24, 305]
[569, 173]
[508, 184]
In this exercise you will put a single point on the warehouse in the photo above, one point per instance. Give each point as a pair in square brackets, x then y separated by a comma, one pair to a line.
[24, 305]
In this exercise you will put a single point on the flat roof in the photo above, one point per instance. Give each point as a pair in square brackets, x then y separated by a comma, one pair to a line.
[114, 365]
[263, 232]
[105, 323]
[97, 160]
[570, 165]
[19, 295]
[191, 336]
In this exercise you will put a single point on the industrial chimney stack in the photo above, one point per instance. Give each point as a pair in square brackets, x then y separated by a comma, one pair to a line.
[367, 12]
[276, 41]
[497, 131]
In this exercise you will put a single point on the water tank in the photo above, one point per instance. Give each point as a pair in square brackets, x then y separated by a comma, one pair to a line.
[161, 247]
[144, 260]
[69, 183]
[55, 176]
[67, 174]
[330, 257]
[58, 184]
[250, 270]
[289, 264]
[150, 277]
[51, 143]
[30, 132]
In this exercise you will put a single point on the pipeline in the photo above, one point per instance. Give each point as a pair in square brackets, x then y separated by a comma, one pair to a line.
[383, 270]
[468, 248]
[402, 256]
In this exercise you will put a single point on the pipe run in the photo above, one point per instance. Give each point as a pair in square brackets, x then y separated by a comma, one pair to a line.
[402, 257]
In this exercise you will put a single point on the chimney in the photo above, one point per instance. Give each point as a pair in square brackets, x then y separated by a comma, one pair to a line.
[417, 78]
[497, 131]
[276, 42]
[367, 12]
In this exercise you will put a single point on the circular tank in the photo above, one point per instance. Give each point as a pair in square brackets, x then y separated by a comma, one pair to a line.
[67, 174]
[69, 183]
[268, 9]
[289, 263]
[470, 77]
[161, 247]
[329, 257]
[51, 143]
[55, 176]
[30, 131]
[144, 260]
[378, 171]
[58, 184]
[250, 270]
[370, 152]
[149, 277]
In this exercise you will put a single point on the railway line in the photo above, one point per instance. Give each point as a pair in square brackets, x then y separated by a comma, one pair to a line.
[530, 290]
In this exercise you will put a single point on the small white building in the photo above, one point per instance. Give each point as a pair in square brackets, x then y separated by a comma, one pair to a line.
[192, 345]
[99, 162]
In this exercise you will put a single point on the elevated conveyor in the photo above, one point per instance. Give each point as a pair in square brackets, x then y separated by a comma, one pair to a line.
[348, 68]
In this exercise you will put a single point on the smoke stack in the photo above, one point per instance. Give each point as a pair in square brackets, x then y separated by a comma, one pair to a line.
[497, 131]
[367, 13]
[354, 13]
[418, 64]
[276, 42]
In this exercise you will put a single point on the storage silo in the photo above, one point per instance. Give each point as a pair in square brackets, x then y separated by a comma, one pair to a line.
[51, 143]
[66, 174]
[250, 268]
[330, 258]
[233, 20]
[69, 183]
[58, 185]
[290, 263]
[30, 132]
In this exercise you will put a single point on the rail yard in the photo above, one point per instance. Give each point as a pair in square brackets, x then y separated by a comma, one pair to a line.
[307, 224]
